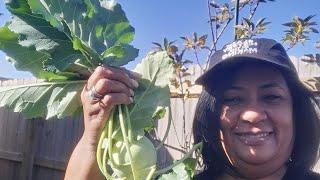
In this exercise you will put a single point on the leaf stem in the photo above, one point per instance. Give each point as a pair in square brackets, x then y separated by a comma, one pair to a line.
[125, 139]
[102, 160]
[99, 158]
[129, 124]
[110, 131]
[44, 84]
[153, 169]
[167, 130]
[252, 11]
[99, 149]
[197, 58]
[213, 46]
[211, 24]
[189, 154]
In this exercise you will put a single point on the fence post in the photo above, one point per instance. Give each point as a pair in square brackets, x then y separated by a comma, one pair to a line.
[28, 151]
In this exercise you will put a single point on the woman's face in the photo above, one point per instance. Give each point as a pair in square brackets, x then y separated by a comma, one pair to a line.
[257, 121]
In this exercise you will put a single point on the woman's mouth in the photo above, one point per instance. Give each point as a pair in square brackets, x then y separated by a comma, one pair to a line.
[254, 139]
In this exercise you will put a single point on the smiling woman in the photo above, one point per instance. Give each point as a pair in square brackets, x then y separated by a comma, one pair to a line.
[256, 120]
[255, 116]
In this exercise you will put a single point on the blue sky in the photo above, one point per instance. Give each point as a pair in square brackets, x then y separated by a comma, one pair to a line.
[154, 20]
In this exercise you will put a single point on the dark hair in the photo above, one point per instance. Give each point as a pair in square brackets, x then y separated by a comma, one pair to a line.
[206, 124]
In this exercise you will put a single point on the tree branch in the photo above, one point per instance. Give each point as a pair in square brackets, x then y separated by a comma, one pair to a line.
[253, 11]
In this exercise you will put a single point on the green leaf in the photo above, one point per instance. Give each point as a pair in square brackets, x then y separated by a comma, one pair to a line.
[159, 113]
[35, 32]
[118, 33]
[18, 6]
[48, 100]
[308, 18]
[289, 24]
[153, 93]
[260, 21]
[314, 30]
[27, 59]
[96, 26]
[119, 55]
[182, 171]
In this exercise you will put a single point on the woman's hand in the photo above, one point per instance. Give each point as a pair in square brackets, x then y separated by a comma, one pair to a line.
[106, 87]
[116, 86]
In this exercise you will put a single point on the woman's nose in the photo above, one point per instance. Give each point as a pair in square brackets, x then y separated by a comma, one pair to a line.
[253, 114]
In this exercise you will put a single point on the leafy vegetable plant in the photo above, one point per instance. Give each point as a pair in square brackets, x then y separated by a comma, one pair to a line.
[62, 42]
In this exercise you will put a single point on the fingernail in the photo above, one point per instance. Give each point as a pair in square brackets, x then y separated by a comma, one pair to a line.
[131, 100]
[134, 83]
[131, 92]
[136, 75]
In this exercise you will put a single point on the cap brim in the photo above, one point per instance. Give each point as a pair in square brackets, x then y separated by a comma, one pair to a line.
[209, 75]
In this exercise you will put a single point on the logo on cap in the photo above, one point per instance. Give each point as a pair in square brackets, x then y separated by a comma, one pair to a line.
[248, 46]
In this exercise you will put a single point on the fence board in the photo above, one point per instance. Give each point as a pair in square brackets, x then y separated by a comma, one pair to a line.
[28, 151]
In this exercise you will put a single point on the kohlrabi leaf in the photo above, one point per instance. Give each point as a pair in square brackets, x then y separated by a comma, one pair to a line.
[182, 171]
[48, 100]
[97, 26]
[119, 55]
[153, 93]
[27, 59]
[119, 33]
[35, 32]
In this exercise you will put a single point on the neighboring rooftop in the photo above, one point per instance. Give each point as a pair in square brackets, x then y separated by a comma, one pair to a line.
[3, 78]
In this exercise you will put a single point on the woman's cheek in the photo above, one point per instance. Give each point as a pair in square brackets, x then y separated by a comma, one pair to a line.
[228, 118]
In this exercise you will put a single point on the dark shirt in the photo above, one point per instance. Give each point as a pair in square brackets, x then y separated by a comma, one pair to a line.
[291, 174]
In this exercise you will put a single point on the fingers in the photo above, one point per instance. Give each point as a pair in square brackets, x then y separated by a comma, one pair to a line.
[131, 74]
[112, 74]
[107, 86]
[115, 99]
[108, 102]
[113, 83]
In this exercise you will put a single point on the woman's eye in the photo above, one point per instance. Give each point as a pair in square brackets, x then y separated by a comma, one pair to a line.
[232, 101]
[272, 98]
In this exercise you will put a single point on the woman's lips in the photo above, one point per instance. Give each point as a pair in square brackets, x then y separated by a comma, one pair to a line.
[254, 139]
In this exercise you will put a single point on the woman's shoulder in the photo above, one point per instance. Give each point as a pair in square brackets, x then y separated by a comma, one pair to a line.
[299, 173]
[294, 173]
[205, 175]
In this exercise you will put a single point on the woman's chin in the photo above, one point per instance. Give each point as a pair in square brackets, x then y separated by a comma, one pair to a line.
[256, 150]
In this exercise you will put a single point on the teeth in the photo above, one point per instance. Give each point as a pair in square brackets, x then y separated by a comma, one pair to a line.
[253, 138]
[260, 135]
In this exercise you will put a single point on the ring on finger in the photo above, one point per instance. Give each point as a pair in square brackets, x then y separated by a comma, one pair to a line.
[93, 95]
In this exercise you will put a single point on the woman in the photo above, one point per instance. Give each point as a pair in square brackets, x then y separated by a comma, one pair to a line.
[256, 119]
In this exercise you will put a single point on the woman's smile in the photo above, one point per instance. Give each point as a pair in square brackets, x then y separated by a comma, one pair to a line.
[254, 139]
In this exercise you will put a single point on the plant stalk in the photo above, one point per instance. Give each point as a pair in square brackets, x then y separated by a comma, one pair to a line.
[189, 154]
[125, 139]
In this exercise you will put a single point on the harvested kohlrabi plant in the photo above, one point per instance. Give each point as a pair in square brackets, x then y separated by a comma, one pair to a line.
[62, 42]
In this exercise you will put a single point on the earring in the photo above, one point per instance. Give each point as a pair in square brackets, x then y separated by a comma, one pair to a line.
[290, 160]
